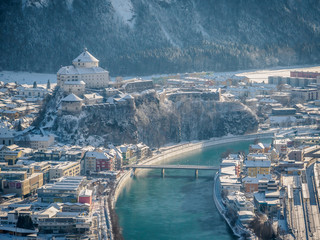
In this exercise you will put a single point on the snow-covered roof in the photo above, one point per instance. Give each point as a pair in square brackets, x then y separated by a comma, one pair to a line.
[97, 155]
[257, 146]
[85, 193]
[71, 70]
[67, 214]
[5, 132]
[51, 211]
[267, 100]
[28, 88]
[256, 179]
[72, 98]
[85, 57]
[92, 96]
[250, 164]
[40, 138]
[128, 96]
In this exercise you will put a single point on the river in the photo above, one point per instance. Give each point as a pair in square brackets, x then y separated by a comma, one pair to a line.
[177, 206]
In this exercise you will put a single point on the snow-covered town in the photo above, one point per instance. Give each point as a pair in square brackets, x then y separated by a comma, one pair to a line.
[61, 182]
[273, 190]
[159, 120]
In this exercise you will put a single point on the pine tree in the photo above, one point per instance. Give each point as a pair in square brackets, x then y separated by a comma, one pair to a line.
[19, 128]
[48, 85]
[25, 222]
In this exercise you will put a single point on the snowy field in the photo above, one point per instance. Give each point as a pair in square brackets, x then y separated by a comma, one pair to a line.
[262, 75]
[254, 75]
[27, 77]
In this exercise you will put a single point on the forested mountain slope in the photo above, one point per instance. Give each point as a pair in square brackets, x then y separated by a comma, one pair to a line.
[141, 37]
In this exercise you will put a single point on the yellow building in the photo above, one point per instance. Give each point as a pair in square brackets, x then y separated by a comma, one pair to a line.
[11, 156]
[257, 167]
[20, 182]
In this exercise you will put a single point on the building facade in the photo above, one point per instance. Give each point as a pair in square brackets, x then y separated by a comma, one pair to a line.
[6, 136]
[84, 68]
[40, 142]
[75, 87]
[65, 189]
[65, 169]
[71, 104]
[98, 161]
[20, 182]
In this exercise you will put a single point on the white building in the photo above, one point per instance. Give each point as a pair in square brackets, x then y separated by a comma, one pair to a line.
[40, 142]
[75, 87]
[84, 68]
[281, 145]
[92, 98]
[71, 104]
[6, 136]
[65, 169]
[31, 92]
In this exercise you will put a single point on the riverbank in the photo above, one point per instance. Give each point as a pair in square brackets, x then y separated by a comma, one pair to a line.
[238, 230]
[219, 204]
[170, 152]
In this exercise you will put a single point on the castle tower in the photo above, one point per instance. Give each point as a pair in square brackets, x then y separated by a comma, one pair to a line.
[85, 60]
[71, 104]
[84, 68]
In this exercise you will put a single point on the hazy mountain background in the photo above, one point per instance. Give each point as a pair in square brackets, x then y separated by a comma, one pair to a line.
[142, 37]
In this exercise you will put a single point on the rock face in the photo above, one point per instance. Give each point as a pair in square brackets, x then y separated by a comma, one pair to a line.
[155, 121]
[142, 37]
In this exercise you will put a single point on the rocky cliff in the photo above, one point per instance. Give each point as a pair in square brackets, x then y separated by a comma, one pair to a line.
[155, 121]
[136, 37]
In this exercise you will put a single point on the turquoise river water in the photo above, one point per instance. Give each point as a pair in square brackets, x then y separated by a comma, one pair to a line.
[178, 206]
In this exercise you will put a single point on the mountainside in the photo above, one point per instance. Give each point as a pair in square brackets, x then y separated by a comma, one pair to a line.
[150, 119]
[136, 37]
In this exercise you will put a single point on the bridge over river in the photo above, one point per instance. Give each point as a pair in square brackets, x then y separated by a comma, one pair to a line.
[196, 168]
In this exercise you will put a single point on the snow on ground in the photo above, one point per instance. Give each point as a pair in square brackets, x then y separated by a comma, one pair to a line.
[69, 4]
[255, 75]
[27, 77]
[262, 75]
[124, 9]
[35, 3]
